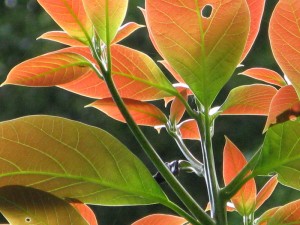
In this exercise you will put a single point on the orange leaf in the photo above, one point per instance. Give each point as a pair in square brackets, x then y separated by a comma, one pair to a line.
[207, 48]
[266, 75]
[71, 17]
[287, 214]
[61, 37]
[50, 69]
[143, 113]
[256, 8]
[249, 100]
[233, 163]
[189, 130]
[85, 212]
[266, 191]
[177, 108]
[172, 71]
[264, 218]
[125, 31]
[284, 35]
[282, 102]
[160, 219]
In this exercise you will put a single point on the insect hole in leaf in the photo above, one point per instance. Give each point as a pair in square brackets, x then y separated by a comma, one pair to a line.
[206, 11]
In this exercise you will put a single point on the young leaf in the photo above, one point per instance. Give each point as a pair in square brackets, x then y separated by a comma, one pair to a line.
[107, 16]
[125, 31]
[71, 17]
[189, 130]
[160, 219]
[61, 37]
[50, 69]
[25, 205]
[143, 113]
[266, 75]
[281, 153]
[266, 191]
[266, 216]
[177, 109]
[85, 212]
[73, 160]
[233, 163]
[256, 8]
[284, 35]
[287, 214]
[249, 100]
[283, 101]
[203, 49]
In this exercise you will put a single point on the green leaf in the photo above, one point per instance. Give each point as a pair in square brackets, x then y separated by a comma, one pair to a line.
[281, 153]
[25, 205]
[73, 160]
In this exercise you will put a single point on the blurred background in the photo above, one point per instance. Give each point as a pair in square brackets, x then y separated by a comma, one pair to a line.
[22, 21]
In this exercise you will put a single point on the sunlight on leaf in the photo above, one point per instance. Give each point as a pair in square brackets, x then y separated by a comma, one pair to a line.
[125, 31]
[25, 205]
[160, 219]
[266, 216]
[61, 37]
[266, 191]
[177, 109]
[189, 130]
[203, 50]
[73, 160]
[86, 212]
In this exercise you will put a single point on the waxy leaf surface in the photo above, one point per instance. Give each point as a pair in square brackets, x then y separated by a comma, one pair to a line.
[73, 160]
[86, 212]
[281, 153]
[266, 75]
[233, 163]
[125, 31]
[51, 69]
[106, 16]
[203, 50]
[160, 219]
[284, 35]
[143, 113]
[25, 205]
[249, 100]
[71, 17]
[266, 191]
[61, 37]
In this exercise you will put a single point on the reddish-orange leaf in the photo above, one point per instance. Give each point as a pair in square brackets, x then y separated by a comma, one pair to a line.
[143, 113]
[233, 163]
[249, 100]
[172, 71]
[189, 130]
[256, 8]
[177, 109]
[287, 214]
[284, 35]
[86, 212]
[266, 75]
[266, 216]
[61, 37]
[266, 191]
[125, 31]
[160, 219]
[71, 17]
[283, 101]
[51, 69]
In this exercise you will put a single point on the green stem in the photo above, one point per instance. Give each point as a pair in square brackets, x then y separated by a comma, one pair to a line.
[248, 220]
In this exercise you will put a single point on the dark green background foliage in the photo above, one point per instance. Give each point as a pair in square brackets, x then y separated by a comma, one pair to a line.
[22, 21]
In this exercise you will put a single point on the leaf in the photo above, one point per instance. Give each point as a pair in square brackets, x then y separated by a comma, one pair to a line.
[233, 163]
[25, 205]
[143, 113]
[160, 219]
[266, 191]
[167, 65]
[207, 49]
[282, 102]
[266, 216]
[135, 74]
[266, 75]
[256, 8]
[287, 214]
[125, 30]
[281, 153]
[71, 17]
[50, 69]
[106, 16]
[177, 109]
[73, 160]
[61, 37]
[249, 100]
[284, 36]
[189, 130]
[85, 212]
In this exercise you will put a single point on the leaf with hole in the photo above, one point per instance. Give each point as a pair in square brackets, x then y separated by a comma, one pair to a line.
[208, 47]
[26, 205]
[73, 160]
